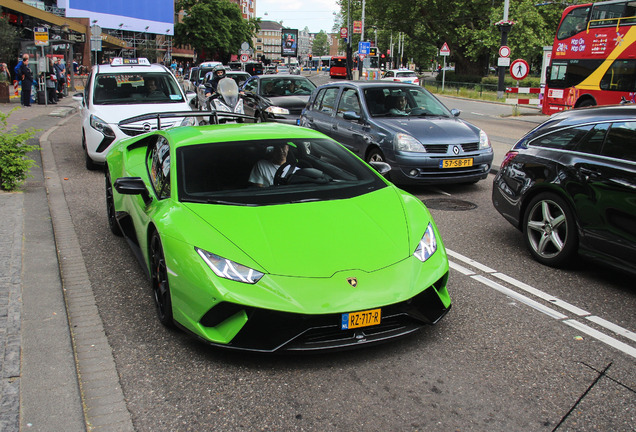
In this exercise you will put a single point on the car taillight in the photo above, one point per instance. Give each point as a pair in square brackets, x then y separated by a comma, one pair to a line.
[416, 81]
[508, 158]
[395, 79]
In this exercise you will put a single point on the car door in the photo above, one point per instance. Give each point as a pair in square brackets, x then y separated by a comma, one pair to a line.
[321, 113]
[612, 177]
[350, 132]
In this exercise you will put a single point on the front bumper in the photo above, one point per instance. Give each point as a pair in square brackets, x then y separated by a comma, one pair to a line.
[270, 331]
[425, 169]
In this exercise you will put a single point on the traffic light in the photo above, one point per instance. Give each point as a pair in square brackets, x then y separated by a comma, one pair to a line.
[310, 56]
[373, 51]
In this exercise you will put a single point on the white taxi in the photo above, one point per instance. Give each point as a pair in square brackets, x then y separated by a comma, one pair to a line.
[401, 75]
[120, 90]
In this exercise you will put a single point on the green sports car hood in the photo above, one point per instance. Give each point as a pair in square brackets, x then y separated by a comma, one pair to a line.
[314, 239]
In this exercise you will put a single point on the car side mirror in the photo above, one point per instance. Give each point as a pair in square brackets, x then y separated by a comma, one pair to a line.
[79, 97]
[382, 168]
[351, 115]
[132, 186]
[455, 112]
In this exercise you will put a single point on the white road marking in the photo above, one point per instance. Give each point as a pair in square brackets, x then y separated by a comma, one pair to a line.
[602, 337]
[520, 297]
[548, 298]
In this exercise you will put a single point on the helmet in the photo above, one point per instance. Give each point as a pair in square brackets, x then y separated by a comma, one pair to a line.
[217, 69]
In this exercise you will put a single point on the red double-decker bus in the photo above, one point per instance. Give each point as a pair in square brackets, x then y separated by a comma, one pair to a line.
[338, 67]
[593, 57]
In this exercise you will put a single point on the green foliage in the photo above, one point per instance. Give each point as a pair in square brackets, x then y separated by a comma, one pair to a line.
[320, 45]
[9, 37]
[467, 26]
[215, 28]
[14, 165]
[511, 82]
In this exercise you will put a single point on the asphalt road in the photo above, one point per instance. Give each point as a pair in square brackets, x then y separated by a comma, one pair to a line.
[496, 362]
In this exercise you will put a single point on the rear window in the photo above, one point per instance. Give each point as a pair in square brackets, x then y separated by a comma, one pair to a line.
[136, 88]
[406, 74]
[338, 62]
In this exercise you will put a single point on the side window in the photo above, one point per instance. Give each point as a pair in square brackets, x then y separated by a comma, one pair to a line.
[348, 102]
[593, 142]
[564, 139]
[328, 103]
[160, 168]
[251, 86]
[621, 141]
[621, 76]
[318, 100]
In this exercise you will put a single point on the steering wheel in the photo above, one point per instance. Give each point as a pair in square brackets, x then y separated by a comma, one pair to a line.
[284, 173]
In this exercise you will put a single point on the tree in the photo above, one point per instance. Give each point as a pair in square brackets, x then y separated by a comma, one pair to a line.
[9, 37]
[215, 28]
[320, 47]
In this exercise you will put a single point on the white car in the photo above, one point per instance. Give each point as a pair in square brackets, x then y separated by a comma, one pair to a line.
[401, 75]
[123, 89]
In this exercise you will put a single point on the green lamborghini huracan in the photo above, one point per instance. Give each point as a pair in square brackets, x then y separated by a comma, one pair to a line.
[270, 237]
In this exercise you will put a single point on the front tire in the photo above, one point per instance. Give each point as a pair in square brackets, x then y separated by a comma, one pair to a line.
[159, 279]
[549, 230]
[375, 155]
[90, 165]
[110, 207]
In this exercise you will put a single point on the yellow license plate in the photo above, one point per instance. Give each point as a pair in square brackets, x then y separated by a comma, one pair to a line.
[455, 163]
[361, 319]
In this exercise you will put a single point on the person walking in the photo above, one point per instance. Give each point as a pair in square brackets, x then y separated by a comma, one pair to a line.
[51, 84]
[26, 76]
[16, 74]
[60, 74]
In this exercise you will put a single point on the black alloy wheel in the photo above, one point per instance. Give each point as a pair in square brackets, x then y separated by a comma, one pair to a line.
[159, 280]
[549, 230]
[110, 207]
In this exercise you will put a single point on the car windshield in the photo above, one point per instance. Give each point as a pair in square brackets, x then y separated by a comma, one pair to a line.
[407, 100]
[136, 88]
[230, 172]
[286, 86]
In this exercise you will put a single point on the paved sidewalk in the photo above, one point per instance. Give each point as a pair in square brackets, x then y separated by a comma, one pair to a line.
[58, 371]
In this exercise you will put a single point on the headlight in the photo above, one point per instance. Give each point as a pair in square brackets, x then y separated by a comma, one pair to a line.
[276, 110]
[427, 246]
[405, 142]
[229, 269]
[484, 142]
[188, 121]
[101, 126]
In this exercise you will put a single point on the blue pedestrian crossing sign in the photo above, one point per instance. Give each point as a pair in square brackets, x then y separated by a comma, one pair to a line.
[364, 47]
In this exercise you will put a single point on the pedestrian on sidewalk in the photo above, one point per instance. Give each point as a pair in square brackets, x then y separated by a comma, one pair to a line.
[51, 84]
[26, 76]
[5, 76]
[16, 75]
[60, 74]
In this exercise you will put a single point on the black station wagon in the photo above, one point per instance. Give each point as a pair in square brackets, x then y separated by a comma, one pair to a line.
[570, 185]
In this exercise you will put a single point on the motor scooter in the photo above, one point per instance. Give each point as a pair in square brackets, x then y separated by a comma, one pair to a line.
[227, 99]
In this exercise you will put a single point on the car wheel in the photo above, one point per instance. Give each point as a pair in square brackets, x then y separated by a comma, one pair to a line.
[549, 230]
[159, 278]
[586, 103]
[258, 118]
[375, 155]
[110, 207]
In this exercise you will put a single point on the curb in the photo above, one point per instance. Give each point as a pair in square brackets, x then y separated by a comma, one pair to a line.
[103, 401]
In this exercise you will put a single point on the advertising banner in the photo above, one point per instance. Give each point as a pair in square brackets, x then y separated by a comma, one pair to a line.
[289, 41]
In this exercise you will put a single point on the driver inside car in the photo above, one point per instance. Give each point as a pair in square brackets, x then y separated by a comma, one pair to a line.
[263, 172]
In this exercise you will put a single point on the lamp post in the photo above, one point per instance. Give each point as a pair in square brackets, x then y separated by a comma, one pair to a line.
[504, 26]
[349, 52]
[69, 58]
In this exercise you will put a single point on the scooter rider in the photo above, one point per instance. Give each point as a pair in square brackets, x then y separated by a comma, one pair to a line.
[219, 74]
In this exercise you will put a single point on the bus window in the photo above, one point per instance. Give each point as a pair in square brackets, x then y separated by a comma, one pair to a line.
[574, 22]
[621, 76]
[606, 14]
[568, 73]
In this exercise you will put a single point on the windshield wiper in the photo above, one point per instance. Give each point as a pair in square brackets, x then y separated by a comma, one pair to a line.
[222, 202]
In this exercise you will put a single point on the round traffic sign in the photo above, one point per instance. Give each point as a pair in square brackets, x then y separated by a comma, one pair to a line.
[344, 32]
[519, 69]
[504, 51]
[244, 58]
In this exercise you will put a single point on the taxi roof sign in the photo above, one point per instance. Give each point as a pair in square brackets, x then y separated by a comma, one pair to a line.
[120, 61]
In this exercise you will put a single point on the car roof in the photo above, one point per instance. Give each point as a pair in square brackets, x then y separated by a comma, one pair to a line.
[195, 135]
[109, 69]
[587, 115]
[367, 84]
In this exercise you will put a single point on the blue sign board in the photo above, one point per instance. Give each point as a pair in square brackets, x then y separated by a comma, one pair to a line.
[364, 47]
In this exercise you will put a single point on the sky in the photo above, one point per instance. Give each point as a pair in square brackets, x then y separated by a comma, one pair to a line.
[297, 14]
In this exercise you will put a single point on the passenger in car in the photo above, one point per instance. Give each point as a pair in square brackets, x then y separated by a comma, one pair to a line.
[262, 174]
